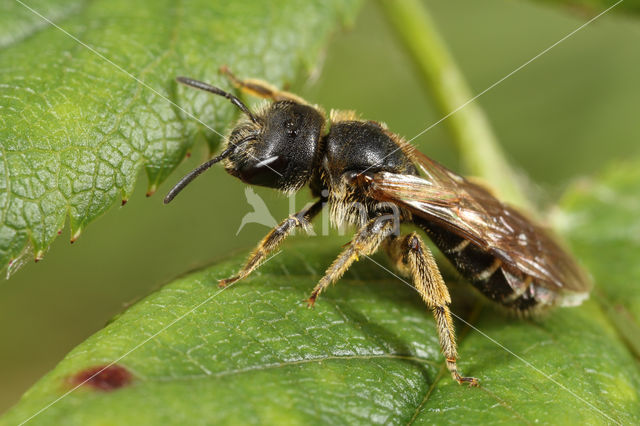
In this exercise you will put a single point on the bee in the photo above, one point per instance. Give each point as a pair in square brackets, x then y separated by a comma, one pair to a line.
[372, 179]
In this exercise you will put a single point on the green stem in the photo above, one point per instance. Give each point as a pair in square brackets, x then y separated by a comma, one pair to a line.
[478, 146]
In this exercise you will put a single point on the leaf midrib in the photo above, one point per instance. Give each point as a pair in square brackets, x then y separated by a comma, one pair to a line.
[285, 364]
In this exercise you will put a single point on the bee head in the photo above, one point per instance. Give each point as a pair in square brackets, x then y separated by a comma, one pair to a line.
[280, 149]
[277, 147]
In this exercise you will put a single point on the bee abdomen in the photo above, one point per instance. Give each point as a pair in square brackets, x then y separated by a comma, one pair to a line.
[486, 272]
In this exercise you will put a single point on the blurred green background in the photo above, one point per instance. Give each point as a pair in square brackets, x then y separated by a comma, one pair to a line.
[564, 116]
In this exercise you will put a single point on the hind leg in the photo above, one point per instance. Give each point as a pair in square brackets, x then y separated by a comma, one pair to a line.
[413, 257]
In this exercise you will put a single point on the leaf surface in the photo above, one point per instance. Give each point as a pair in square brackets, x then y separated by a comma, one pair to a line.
[601, 219]
[591, 8]
[368, 353]
[79, 119]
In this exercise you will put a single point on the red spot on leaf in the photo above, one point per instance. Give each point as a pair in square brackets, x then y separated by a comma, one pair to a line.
[103, 377]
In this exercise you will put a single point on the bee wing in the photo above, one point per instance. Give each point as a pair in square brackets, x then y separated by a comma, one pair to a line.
[470, 211]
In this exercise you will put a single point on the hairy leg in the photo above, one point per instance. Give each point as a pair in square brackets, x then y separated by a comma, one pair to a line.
[414, 258]
[365, 242]
[274, 238]
[260, 88]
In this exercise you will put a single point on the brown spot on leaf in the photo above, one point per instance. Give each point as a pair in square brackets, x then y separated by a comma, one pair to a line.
[103, 377]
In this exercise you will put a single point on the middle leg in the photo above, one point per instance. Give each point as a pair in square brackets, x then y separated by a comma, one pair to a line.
[365, 242]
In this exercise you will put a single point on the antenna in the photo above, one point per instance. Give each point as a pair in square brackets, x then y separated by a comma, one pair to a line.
[186, 180]
[194, 174]
[212, 89]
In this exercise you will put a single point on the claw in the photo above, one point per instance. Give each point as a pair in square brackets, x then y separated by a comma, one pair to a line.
[311, 301]
[472, 381]
[225, 282]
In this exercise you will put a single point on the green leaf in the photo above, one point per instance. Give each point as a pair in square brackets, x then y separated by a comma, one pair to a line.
[591, 8]
[602, 220]
[76, 128]
[368, 353]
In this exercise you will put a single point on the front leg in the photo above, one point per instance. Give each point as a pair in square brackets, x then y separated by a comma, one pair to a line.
[274, 238]
[365, 242]
[413, 258]
[260, 88]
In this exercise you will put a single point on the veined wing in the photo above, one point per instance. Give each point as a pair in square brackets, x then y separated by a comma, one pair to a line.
[470, 211]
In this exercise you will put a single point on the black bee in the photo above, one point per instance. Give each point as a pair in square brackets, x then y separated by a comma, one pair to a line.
[373, 179]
